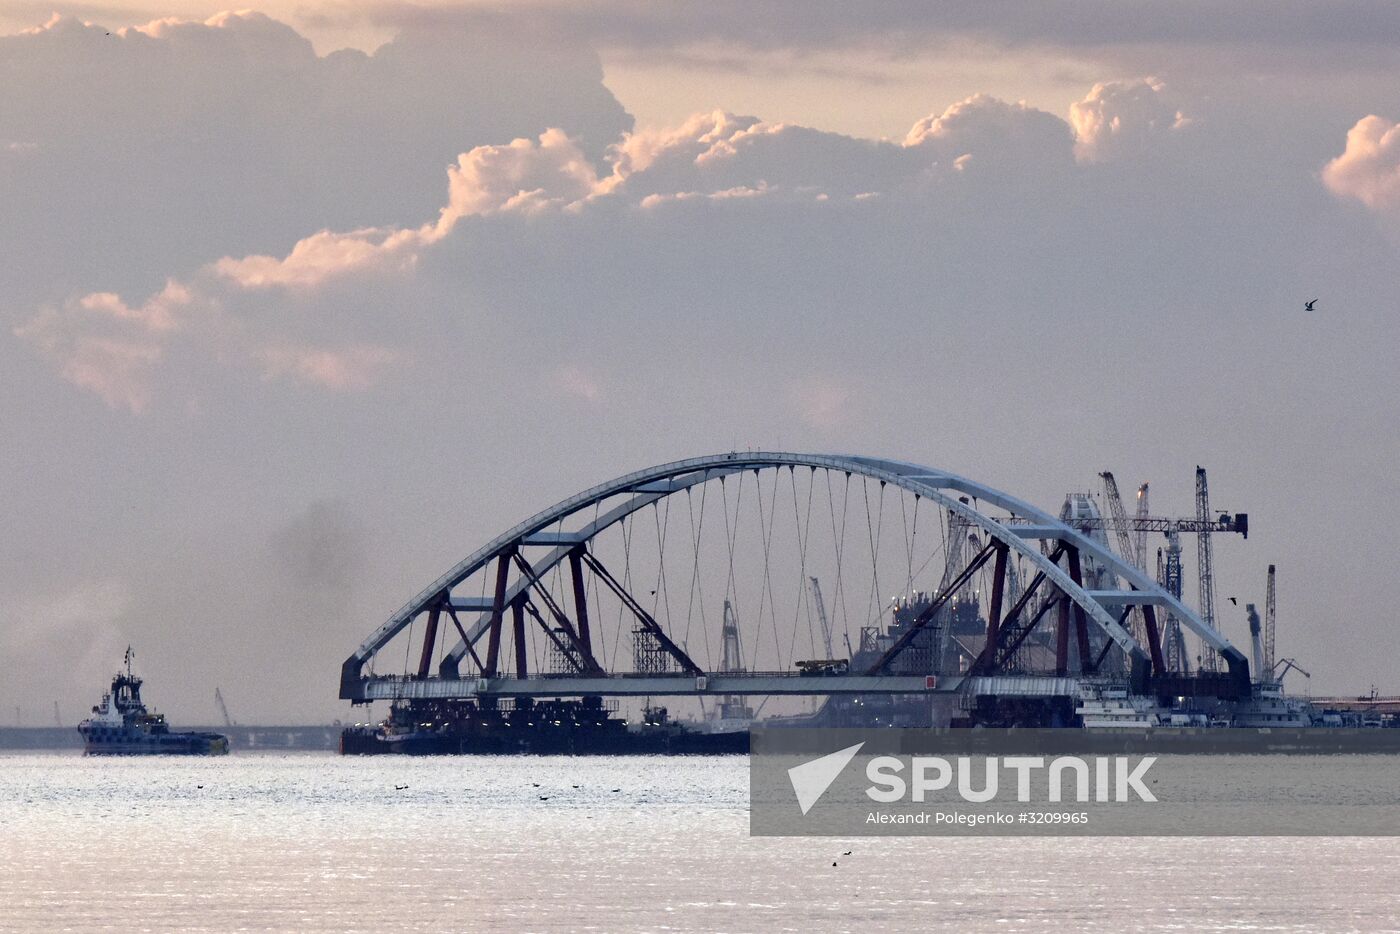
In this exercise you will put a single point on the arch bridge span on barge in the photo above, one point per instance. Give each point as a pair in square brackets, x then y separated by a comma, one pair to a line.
[540, 610]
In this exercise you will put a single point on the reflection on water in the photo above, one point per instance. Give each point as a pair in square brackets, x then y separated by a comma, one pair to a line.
[314, 842]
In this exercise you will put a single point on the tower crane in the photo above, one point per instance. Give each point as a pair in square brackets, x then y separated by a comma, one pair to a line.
[1169, 576]
[1204, 564]
[1169, 573]
[1139, 530]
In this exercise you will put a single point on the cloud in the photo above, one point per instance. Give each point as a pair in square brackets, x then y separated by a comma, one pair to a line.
[911, 24]
[103, 344]
[346, 369]
[127, 156]
[577, 381]
[1368, 170]
[1011, 137]
[324, 255]
[523, 176]
[1122, 118]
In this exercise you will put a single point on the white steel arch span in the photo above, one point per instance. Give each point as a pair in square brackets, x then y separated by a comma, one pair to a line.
[644, 487]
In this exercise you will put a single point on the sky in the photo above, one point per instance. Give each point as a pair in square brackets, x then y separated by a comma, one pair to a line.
[303, 303]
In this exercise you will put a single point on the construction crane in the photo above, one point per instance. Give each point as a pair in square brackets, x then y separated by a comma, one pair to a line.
[1139, 531]
[1125, 546]
[1287, 663]
[1237, 523]
[1205, 566]
[732, 659]
[1118, 517]
[1169, 573]
[223, 709]
[731, 655]
[1269, 609]
[821, 615]
[1169, 576]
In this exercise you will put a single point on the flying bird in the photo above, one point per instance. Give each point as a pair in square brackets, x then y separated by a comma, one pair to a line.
[1308, 306]
[1234, 601]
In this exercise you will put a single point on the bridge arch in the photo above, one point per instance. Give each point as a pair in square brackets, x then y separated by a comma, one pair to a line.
[1040, 539]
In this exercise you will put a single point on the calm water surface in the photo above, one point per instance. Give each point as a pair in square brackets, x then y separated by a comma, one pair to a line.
[314, 842]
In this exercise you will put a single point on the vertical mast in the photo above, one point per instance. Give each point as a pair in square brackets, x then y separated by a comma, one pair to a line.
[1204, 561]
[1269, 608]
[1140, 532]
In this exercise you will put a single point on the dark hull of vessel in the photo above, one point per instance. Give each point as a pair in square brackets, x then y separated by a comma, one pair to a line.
[568, 742]
[166, 744]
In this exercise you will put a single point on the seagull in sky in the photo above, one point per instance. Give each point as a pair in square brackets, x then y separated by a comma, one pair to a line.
[1308, 306]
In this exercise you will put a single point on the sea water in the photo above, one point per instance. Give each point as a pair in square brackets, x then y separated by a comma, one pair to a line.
[316, 842]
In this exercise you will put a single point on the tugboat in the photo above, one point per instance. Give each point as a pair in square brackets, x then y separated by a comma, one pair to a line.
[121, 725]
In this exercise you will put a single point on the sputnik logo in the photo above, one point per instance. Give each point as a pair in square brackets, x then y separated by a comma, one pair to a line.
[810, 780]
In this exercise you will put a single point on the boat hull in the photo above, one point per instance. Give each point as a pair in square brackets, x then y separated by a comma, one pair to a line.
[168, 744]
[547, 742]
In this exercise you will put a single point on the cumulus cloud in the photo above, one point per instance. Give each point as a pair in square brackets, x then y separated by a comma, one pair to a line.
[103, 344]
[1015, 139]
[1368, 170]
[523, 176]
[324, 255]
[161, 146]
[1123, 118]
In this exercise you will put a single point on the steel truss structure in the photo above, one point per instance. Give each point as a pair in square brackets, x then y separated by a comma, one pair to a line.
[558, 540]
